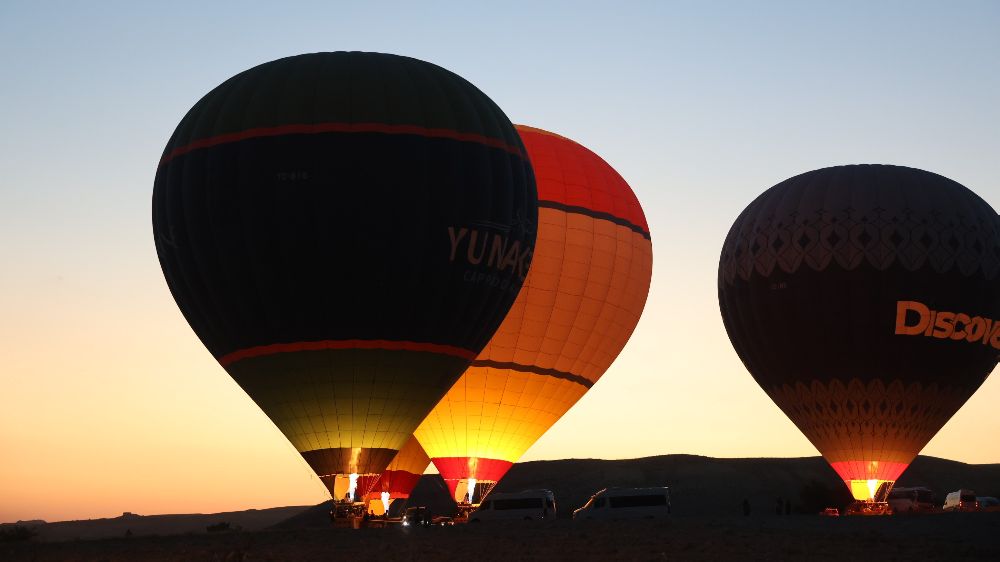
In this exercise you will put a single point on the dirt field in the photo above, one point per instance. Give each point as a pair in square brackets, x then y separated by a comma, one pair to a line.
[973, 536]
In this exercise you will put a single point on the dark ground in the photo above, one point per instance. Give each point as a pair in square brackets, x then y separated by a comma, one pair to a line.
[952, 536]
[707, 496]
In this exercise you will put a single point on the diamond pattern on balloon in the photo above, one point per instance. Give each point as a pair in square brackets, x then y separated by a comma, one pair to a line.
[874, 420]
[851, 237]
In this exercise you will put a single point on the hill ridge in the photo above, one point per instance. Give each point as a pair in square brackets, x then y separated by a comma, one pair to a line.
[700, 485]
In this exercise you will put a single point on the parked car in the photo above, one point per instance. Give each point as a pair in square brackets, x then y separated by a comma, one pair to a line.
[417, 517]
[534, 505]
[627, 503]
[988, 503]
[961, 500]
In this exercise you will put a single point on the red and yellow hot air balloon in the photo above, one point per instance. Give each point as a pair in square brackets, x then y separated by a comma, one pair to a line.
[399, 478]
[578, 307]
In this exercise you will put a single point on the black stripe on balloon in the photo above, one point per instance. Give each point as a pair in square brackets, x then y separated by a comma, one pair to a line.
[535, 370]
[595, 214]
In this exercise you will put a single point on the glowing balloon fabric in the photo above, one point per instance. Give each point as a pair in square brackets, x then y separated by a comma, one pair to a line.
[583, 297]
[401, 476]
[313, 218]
[864, 300]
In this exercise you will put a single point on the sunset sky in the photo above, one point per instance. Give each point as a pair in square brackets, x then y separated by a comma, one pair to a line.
[108, 401]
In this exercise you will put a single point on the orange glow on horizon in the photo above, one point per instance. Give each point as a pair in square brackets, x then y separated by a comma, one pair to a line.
[154, 425]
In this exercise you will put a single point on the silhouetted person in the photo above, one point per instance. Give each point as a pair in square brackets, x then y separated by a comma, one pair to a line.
[788, 507]
[779, 507]
[746, 507]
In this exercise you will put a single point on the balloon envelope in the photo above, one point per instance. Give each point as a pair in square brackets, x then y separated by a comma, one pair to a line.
[583, 297]
[312, 217]
[863, 299]
[400, 477]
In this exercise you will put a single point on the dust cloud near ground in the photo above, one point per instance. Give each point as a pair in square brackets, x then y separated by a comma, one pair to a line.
[950, 536]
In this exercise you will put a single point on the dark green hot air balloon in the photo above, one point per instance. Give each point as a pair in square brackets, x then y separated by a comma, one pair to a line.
[865, 301]
[313, 217]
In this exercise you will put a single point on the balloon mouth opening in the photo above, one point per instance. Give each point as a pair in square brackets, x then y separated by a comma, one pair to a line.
[873, 490]
[472, 491]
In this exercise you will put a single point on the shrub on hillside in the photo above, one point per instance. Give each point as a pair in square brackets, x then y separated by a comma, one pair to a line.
[220, 527]
[16, 533]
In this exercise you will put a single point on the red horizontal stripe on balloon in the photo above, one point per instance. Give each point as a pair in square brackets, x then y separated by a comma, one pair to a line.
[869, 470]
[273, 349]
[463, 468]
[316, 128]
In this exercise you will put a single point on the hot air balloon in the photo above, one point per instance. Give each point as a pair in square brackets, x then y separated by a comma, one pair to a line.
[400, 477]
[583, 297]
[315, 219]
[864, 300]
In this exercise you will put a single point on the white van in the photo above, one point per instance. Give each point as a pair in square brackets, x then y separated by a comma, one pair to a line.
[911, 500]
[961, 500]
[533, 505]
[627, 503]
